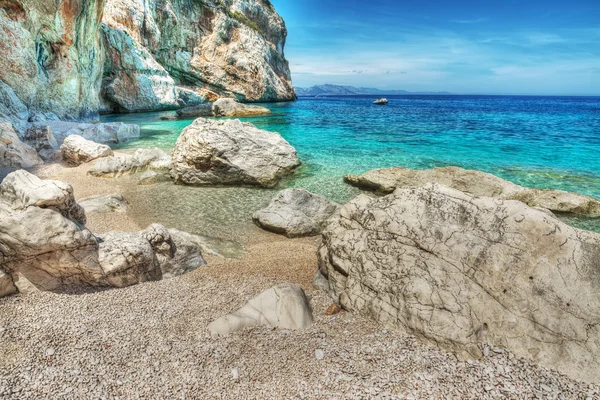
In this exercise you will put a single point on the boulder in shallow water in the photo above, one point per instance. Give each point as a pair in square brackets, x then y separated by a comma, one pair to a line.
[463, 271]
[141, 160]
[152, 178]
[76, 150]
[284, 306]
[13, 152]
[233, 108]
[231, 152]
[104, 204]
[476, 183]
[296, 213]
[44, 244]
[201, 110]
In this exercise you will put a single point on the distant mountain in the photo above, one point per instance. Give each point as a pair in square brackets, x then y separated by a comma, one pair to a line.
[340, 90]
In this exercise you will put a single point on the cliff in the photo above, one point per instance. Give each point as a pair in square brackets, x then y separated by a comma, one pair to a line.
[51, 56]
[74, 58]
[162, 54]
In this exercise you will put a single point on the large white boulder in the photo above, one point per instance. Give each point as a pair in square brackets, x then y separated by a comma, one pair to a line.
[284, 306]
[231, 152]
[44, 244]
[76, 150]
[476, 183]
[463, 271]
[296, 213]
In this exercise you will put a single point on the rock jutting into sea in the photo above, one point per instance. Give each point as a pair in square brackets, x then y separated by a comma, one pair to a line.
[223, 108]
[231, 152]
[465, 272]
[296, 213]
[476, 183]
[44, 244]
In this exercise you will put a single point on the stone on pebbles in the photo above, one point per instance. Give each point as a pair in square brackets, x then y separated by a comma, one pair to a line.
[284, 306]
[231, 152]
[76, 150]
[476, 183]
[296, 213]
[141, 160]
[459, 270]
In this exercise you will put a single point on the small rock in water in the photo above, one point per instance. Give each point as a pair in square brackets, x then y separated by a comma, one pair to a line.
[319, 354]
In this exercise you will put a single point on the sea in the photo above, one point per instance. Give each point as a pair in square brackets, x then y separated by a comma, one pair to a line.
[541, 142]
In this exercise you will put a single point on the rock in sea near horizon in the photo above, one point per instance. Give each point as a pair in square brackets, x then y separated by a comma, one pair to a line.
[44, 244]
[13, 152]
[231, 152]
[284, 306]
[76, 150]
[141, 160]
[462, 271]
[222, 108]
[296, 213]
[476, 183]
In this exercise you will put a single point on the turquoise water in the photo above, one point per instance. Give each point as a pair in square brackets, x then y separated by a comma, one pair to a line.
[546, 142]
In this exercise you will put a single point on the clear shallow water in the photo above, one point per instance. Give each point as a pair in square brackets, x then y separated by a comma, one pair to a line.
[546, 142]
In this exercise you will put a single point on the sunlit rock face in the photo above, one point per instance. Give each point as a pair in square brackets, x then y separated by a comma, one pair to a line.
[156, 48]
[52, 55]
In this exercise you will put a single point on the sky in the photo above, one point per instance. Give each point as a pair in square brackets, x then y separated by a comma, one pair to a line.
[533, 47]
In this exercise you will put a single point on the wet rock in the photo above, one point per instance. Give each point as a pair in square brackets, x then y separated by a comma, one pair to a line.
[76, 150]
[231, 152]
[152, 178]
[233, 108]
[284, 306]
[476, 183]
[296, 213]
[458, 270]
[104, 204]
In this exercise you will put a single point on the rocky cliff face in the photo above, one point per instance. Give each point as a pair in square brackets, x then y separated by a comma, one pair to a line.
[149, 55]
[158, 49]
[51, 54]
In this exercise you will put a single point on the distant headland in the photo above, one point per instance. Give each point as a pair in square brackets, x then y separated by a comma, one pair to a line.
[343, 90]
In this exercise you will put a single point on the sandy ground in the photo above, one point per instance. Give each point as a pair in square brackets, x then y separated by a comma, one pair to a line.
[151, 341]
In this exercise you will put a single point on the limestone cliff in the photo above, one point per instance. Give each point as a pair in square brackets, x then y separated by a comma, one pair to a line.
[51, 55]
[158, 49]
[57, 56]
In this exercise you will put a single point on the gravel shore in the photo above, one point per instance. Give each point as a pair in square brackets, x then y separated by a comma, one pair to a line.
[151, 341]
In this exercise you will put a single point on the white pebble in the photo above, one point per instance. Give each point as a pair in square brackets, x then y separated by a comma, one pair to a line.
[319, 354]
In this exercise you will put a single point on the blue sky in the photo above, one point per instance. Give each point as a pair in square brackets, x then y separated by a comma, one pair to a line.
[485, 46]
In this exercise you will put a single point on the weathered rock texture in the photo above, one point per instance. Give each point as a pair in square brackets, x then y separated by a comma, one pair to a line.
[141, 160]
[77, 150]
[52, 55]
[13, 152]
[44, 244]
[234, 48]
[231, 152]
[110, 132]
[284, 306]
[476, 183]
[461, 271]
[107, 203]
[295, 213]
